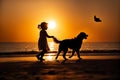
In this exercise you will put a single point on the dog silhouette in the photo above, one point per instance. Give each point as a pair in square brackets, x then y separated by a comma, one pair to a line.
[74, 44]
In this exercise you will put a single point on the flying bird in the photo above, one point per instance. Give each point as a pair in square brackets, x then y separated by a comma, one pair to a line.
[97, 19]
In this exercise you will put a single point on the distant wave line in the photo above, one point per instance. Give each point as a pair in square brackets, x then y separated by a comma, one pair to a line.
[82, 51]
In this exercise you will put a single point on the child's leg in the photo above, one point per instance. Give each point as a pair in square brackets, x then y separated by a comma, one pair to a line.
[38, 55]
[42, 54]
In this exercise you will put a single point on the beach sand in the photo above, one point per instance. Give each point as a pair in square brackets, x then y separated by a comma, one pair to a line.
[86, 69]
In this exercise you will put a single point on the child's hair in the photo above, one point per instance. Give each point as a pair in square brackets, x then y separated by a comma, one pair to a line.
[41, 26]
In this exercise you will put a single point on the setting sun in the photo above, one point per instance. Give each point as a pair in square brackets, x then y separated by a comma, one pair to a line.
[51, 24]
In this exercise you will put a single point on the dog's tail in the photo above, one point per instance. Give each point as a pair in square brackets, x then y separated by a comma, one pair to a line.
[56, 40]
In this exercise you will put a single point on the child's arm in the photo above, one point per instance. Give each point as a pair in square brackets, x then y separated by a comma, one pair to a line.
[48, 35]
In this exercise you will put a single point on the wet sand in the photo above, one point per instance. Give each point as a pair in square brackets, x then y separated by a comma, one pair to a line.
[89, 68]
[32, 58]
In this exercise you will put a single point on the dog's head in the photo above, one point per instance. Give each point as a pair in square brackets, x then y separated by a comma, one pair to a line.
[82, 35]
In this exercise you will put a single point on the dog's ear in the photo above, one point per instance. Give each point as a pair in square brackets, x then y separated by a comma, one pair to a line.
[79, 35]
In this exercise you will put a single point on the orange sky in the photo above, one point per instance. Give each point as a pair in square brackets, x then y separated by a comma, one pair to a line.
[19, 19]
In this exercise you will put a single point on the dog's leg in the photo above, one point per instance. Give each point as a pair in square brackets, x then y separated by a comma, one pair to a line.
[58, 54]
[72, 53]
[64, 54]
[78, 54]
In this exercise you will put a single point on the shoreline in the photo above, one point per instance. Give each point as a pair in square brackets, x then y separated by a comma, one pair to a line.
[82, 52]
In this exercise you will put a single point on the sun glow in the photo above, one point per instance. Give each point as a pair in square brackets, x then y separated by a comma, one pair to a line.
[49, 57]
[51, 45]
[51, 24]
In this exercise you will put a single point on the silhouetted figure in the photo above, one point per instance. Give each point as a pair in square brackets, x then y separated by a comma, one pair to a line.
[42, 42]
[74, 44]
[97, 19]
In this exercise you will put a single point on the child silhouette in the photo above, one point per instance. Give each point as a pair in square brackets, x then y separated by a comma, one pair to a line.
[42, 42]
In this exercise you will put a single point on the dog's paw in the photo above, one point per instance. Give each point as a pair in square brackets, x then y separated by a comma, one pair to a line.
[57, 61]
[80, 58]
[64, 61]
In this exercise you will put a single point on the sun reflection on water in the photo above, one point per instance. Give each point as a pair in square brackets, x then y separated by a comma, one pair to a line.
[50, 57]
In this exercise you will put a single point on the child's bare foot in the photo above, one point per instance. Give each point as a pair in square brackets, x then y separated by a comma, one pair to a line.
[38, 58]
[41, 59]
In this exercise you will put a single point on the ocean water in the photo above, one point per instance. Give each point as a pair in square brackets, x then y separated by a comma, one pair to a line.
[32, 46]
